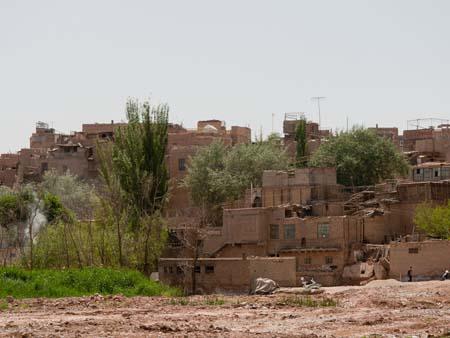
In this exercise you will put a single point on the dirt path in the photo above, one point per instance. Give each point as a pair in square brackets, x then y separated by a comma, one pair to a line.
[385, 308]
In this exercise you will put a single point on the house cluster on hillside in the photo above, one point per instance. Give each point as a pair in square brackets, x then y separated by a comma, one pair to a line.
[299, 223]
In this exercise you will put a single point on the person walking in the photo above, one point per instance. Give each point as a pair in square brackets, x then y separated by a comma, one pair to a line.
[410, 274]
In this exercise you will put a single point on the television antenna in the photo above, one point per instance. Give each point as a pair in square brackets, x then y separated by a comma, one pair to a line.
[318, 98]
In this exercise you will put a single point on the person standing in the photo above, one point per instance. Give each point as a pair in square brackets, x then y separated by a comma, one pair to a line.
[410, 274]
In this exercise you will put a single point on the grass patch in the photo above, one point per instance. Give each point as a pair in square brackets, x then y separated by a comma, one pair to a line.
[3, 305]
[21, 283]
[208, 300]
[214, 301]
[308, 302]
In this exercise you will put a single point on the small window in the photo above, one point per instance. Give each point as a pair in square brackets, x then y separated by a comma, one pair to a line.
[274, 231]
[417, 171]
[289, 231]
[436, 173]
[328, 260]
[323, 230]
[308, 260]
[413, 250]
[181, 164]
[44, 166]
[179, 270]
[197, 269]
[303, 242]
[209, 268]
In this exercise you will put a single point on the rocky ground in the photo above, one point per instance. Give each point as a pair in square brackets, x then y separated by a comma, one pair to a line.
[379, 309]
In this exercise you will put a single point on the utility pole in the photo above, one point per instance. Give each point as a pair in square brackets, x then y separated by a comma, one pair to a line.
[318, 98]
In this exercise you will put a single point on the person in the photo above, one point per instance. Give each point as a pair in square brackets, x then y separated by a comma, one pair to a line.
[410, 274]
[445, 275]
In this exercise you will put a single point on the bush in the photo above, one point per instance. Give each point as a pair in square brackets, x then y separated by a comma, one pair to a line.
[21, 283]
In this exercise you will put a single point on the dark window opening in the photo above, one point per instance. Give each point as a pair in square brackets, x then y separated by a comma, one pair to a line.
[181, 164]
[257, 203]
[413, 250]
[197, 269]
[287, 213]
[179, 270]
[209, 269]
[417, 171]
[44, 167]
[328, 260]
[303, 243]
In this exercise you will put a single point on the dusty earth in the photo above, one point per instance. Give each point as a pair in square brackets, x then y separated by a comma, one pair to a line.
[379, 309]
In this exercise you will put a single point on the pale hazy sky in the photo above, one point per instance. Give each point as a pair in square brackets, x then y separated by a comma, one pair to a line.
[69, 62]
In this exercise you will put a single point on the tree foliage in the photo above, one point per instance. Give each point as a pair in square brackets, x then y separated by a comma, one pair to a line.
[434, 221]
[134, 171]
[218, 174]
[300, 138]
[360, 157]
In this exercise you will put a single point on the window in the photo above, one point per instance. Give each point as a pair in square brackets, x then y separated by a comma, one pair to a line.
[289, 231]
[197, 269]
[417, 171]
[181, 164]
[179, 270]
[170, 269]
[274, 231]
[413, 250]
[165, 269]
[44, 167]
[328, 260]
[209, 269]
[308, 260]
[323, 230]
[436, 173]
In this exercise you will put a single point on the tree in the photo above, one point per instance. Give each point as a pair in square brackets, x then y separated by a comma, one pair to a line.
[360, 157]
[434, 221]
[218, 174]
[300, 138]
[135, 174]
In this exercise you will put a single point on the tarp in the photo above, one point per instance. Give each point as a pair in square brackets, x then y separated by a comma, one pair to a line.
[264, 286]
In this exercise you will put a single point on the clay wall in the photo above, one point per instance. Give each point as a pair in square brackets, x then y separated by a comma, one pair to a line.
[217, 275]
[303, 176]
[315, 260]
[429, 259]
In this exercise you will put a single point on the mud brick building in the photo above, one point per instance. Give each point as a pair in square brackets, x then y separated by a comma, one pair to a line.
[335, 235]
[182, 145]
[9, 164]
[389, 133]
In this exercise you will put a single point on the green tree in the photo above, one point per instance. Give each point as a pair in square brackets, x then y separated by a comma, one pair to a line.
[434, 221]
[218, 174]
[360, 157]
[300, 138]
[136, 173]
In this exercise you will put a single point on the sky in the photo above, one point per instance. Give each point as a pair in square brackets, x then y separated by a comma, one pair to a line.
[247, 62]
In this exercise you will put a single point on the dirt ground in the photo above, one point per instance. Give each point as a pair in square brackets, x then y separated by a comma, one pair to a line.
[381, 308]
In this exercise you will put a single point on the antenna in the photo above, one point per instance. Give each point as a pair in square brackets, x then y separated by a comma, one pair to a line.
[273, 116]
[318, 98]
